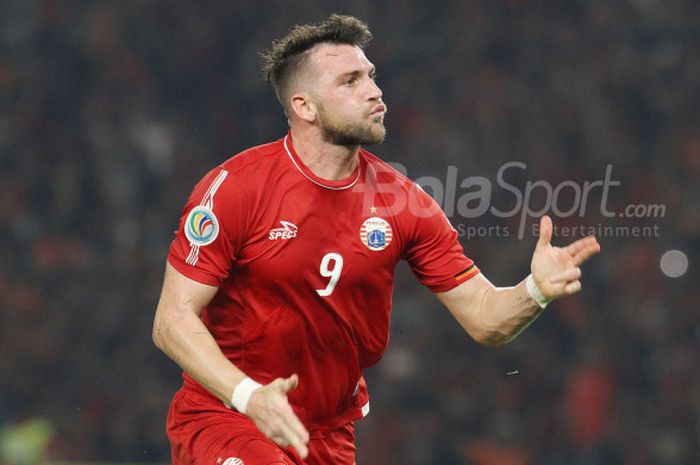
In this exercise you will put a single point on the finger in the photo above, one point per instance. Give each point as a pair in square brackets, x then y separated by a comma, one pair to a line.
[289, 384]
[296, 425]
[282, 440]
[545, 232]
[573, 287]
[300, 447]
[569, 275]
[287, 436]
[586, 253]
[581, 244]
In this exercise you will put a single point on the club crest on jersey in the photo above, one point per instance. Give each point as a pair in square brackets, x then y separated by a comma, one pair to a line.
[376, 233]
[201, 226]
[287, 231]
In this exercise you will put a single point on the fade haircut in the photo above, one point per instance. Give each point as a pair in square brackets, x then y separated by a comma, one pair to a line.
[289, 54]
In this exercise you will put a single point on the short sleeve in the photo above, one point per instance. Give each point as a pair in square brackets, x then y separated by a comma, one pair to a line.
[211, 229]
[433, 250]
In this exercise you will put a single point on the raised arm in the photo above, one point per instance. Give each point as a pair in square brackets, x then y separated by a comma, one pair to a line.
[496, 315]
[179, 332]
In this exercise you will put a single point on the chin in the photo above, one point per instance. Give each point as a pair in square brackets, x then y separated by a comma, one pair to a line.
[377, 140]
[377, 136]
[353, 135]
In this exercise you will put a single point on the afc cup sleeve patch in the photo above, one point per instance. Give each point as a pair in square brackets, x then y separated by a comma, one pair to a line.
[201, 226]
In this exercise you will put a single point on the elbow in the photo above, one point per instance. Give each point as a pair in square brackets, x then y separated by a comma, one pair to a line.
[155, 336]
[498, 333]
[488, 331]
[158, 333]
[165, 330]
[493, 335]
[487, 335]
[493, 338]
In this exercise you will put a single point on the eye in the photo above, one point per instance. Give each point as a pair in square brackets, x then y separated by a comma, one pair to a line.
[351, 81]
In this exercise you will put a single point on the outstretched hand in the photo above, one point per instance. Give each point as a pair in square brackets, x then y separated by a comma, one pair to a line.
[555, 270]
[269, 408]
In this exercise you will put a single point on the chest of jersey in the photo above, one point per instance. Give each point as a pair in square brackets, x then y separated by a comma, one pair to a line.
[327, 256]
[322, 242]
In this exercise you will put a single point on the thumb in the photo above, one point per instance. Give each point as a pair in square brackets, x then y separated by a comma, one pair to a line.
[290, 383]
[545, 232]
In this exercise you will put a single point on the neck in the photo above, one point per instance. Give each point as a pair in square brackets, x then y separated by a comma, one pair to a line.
[325, 160]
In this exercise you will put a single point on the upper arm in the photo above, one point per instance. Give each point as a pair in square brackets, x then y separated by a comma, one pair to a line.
[211, 231]
[465, 301]
[180, 296]
[213, 227]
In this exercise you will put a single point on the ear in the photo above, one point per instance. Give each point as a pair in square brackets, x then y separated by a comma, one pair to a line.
[303, 107]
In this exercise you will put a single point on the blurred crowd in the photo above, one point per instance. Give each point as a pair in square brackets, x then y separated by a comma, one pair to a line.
[111, 111]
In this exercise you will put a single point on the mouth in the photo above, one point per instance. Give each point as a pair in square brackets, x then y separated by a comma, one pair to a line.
[379, 110]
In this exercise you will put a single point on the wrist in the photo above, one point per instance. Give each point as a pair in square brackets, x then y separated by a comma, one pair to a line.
[241, 394]
[535, 292]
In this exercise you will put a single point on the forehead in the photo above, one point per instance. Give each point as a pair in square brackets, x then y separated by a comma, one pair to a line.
[336, 59]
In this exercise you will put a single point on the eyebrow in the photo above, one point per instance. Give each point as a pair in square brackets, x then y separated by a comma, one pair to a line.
[372, 72]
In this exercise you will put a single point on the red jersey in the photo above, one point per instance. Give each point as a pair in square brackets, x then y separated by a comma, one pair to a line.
[305, 270]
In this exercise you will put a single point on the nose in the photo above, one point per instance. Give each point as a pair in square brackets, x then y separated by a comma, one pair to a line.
[375, 93]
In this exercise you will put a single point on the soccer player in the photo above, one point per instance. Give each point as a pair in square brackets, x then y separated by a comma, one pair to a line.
[277, 288]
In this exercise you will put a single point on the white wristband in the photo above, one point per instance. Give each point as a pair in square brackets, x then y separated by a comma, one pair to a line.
[535, 292]
[241, 394]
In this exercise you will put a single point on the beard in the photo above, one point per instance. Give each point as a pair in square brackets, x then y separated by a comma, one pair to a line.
[352, 134]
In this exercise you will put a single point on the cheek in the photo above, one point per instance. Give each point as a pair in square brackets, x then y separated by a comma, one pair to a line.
[348, 97]
[341, 107]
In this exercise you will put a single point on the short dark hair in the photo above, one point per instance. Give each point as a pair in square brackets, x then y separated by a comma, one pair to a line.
[288, 53]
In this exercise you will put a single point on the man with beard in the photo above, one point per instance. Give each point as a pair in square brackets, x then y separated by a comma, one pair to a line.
[277, 290]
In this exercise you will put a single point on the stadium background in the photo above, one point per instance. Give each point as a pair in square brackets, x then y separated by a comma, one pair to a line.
[111, 111]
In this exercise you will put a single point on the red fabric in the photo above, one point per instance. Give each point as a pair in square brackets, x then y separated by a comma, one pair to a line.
[206, 433]
[268, 316]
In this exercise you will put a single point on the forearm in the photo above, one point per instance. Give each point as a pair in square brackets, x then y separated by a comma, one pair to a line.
[185, 339]
[496, 315]
[504, 312]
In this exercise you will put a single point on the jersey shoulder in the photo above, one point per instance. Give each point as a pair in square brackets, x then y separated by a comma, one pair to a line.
[255, 159]
[385, 173]
[408, 201]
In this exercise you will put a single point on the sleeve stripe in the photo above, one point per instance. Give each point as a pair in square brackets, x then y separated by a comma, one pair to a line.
[207, 201]
[468, 273]
[193, 256]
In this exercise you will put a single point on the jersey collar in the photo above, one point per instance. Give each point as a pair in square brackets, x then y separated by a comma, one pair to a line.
[338, 185]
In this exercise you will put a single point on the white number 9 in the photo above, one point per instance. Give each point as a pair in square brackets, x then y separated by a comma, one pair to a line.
[330, 271]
